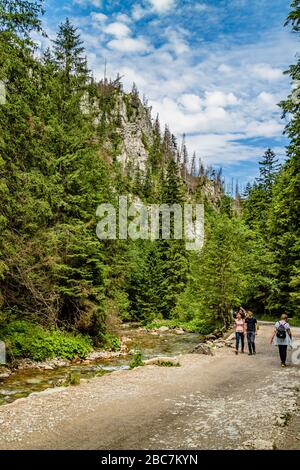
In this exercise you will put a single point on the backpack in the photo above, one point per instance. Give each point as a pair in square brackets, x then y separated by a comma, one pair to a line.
[281, 331]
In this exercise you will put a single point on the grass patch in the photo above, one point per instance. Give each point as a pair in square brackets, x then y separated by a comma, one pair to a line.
[73, 378]
[168, 364]
[110, 342]
[27, 340]
[137, 360]
[100, 373]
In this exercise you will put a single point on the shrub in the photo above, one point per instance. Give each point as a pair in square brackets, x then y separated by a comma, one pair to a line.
[110, 342]
[137, 360]
[26, 340]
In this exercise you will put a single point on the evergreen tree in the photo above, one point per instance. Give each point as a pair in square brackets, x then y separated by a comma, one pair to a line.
[285, 211]
[20, 16]
[68, 55]
[268, 171]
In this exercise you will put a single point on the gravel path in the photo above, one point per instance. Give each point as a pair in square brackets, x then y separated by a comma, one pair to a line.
[219, 402]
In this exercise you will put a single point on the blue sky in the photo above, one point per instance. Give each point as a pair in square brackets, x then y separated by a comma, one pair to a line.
[211, 69]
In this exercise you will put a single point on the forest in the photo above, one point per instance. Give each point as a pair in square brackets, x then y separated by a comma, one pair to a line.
[61, 137]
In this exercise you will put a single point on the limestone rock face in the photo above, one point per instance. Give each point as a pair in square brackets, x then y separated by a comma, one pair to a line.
[136, 133]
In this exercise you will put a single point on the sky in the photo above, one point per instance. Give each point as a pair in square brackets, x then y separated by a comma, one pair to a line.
[211, 69]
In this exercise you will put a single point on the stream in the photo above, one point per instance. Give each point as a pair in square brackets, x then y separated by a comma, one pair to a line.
[26, 381]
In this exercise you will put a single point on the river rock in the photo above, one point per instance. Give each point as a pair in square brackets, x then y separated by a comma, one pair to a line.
[4, 375]
[162, 329]
[126, 340]
[258, 444]
[179, 331]
[48, 367]
[210, 337]
[202, 348]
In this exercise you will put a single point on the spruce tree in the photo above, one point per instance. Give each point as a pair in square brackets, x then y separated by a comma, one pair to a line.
[285, 211]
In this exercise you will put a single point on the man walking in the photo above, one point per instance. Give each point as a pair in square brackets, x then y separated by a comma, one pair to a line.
[251, 330]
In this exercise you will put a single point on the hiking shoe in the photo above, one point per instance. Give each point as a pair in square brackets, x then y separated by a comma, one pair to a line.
[236, 352]
[250, 354]
[283, 365]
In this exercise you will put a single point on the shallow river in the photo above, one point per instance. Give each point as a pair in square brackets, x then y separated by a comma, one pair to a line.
[24, 382]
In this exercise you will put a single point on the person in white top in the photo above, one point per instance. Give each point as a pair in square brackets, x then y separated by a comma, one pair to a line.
[282, 337]
[239, 332]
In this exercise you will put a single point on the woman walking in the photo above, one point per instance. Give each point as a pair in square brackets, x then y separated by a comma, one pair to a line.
[239, 332]
[282, 337]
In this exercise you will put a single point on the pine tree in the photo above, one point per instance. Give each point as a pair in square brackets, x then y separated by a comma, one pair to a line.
[68, 56]
[285, 211]
[172, 186]
[269, 168]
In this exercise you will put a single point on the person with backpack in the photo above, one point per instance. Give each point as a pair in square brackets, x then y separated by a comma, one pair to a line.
[251, 330]
[282, 337]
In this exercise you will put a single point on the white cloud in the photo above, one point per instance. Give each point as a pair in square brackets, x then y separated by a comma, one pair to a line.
[176, 41]
[191, 103]
[221, 149]
[219, 98]
[271, 128]
[138, 12]
[267, 72]
[162, 6]
[269, 100]
[84, 3]
[223, 68]
[98, 17]
[123, 18]
[127, 44]
[200, 7]
[117, 29]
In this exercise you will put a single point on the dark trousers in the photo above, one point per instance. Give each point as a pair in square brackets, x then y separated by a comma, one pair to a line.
[239, 337]
[251, 341]
[282, 353]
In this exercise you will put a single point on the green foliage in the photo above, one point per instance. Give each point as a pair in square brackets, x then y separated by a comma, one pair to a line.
[24, 339]
[60, 136]
[272, 208]
[21, 16]
[110, 342]
[168, 364]
[73, 378]
[136, 361]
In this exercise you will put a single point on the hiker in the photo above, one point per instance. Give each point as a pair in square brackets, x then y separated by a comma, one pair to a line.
[243, 313]
[239, 332]
[251, 330]
[282, 337]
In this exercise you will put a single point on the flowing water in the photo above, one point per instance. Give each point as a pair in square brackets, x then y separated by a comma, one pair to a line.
[24, 382]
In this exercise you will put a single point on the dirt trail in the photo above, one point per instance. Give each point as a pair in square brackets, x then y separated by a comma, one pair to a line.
[220, 402]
